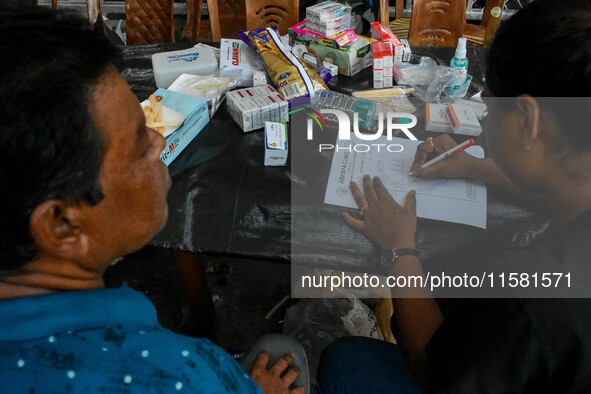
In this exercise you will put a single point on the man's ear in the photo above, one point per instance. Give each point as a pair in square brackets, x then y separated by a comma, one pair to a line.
[528, 110]
[57, 231]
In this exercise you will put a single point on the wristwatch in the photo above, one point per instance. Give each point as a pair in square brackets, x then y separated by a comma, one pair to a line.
[389, 256]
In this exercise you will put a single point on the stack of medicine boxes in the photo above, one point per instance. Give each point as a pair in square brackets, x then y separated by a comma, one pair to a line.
[252, 107]
[382, 64]
[328, 18]
[387, 51]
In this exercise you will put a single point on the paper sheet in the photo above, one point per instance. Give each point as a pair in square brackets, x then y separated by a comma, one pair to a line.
[451, 200]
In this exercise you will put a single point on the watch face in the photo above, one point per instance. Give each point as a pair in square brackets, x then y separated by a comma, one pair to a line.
[387, 258]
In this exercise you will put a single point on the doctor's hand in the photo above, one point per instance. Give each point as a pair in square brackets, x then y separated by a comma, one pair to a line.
[384, 220]
[456, 166]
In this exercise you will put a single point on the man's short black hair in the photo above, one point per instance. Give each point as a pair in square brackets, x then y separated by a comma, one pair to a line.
[50, 63]
[544, 50]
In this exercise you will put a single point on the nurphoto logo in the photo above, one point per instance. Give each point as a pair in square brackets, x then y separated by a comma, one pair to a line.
[344, 133]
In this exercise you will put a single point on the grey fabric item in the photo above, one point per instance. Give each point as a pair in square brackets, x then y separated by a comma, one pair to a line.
[279, 345]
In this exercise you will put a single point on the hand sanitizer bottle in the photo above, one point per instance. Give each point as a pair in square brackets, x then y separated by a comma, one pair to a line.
[460, 61]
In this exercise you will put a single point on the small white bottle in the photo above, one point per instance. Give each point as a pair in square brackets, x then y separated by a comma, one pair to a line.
[460, 61]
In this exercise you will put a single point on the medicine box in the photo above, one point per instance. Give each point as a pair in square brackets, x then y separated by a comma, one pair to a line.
[388, 77]
[259, 78]
[381, 32]
[239, 61]
[299, 34]
[478, 106]
[382, 64]
[252, 107]
[332, 68]
[311, 60]
[436, 119]
[406, 51]
[462, 119]
[328, 18]
[194, 109]
[276, 148]
[168, 66]
[350, 59]
[330, 27]
[327, 10]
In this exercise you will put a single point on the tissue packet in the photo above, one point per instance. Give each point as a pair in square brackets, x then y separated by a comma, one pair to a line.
[194, 109]
[211, 88]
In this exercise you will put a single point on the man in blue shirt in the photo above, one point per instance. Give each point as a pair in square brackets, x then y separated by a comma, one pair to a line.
[82, 183]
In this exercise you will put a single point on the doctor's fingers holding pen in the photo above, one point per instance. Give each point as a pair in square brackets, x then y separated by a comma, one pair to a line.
[456, 166]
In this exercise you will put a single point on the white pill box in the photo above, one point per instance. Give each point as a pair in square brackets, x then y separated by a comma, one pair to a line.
[328, 18]
[275, 144]
[327, 10]
[462, 119]
[168, 66]
[406, 51]
[436, 119]
[239, 61]
[477, 105]
[252, 107]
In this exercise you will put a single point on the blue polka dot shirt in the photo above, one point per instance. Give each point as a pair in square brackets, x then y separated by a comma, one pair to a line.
[106, 341]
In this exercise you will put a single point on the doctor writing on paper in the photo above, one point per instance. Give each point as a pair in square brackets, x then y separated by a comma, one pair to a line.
[540, 149]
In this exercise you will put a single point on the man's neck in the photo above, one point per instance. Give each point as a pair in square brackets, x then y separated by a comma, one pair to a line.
[9, 290]
[43, 277]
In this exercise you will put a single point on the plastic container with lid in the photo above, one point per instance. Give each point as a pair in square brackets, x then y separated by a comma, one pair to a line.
[168, 66]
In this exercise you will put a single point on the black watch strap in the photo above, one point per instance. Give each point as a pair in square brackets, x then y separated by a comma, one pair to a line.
[389, 256]
[404, 252]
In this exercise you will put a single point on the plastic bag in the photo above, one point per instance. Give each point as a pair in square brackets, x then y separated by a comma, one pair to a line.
[360, 320]
[308, 55]
[449, 85]
[292, 77]
[316, 323]
[416, 74]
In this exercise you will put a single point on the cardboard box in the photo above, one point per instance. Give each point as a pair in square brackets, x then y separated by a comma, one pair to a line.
[299, 34]
[196, 114]
[463, 120]
[436, 119]
[276, 148]
[350, 59]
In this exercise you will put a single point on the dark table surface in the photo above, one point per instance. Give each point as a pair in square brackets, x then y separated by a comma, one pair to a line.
[224, 200]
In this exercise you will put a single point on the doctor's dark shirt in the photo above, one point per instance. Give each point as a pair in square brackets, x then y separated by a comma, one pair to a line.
[522, 344]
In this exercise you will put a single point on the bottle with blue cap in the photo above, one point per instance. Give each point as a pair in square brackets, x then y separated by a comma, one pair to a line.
[460, 61]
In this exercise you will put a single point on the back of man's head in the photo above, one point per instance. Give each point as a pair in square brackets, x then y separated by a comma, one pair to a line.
[50, 148]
